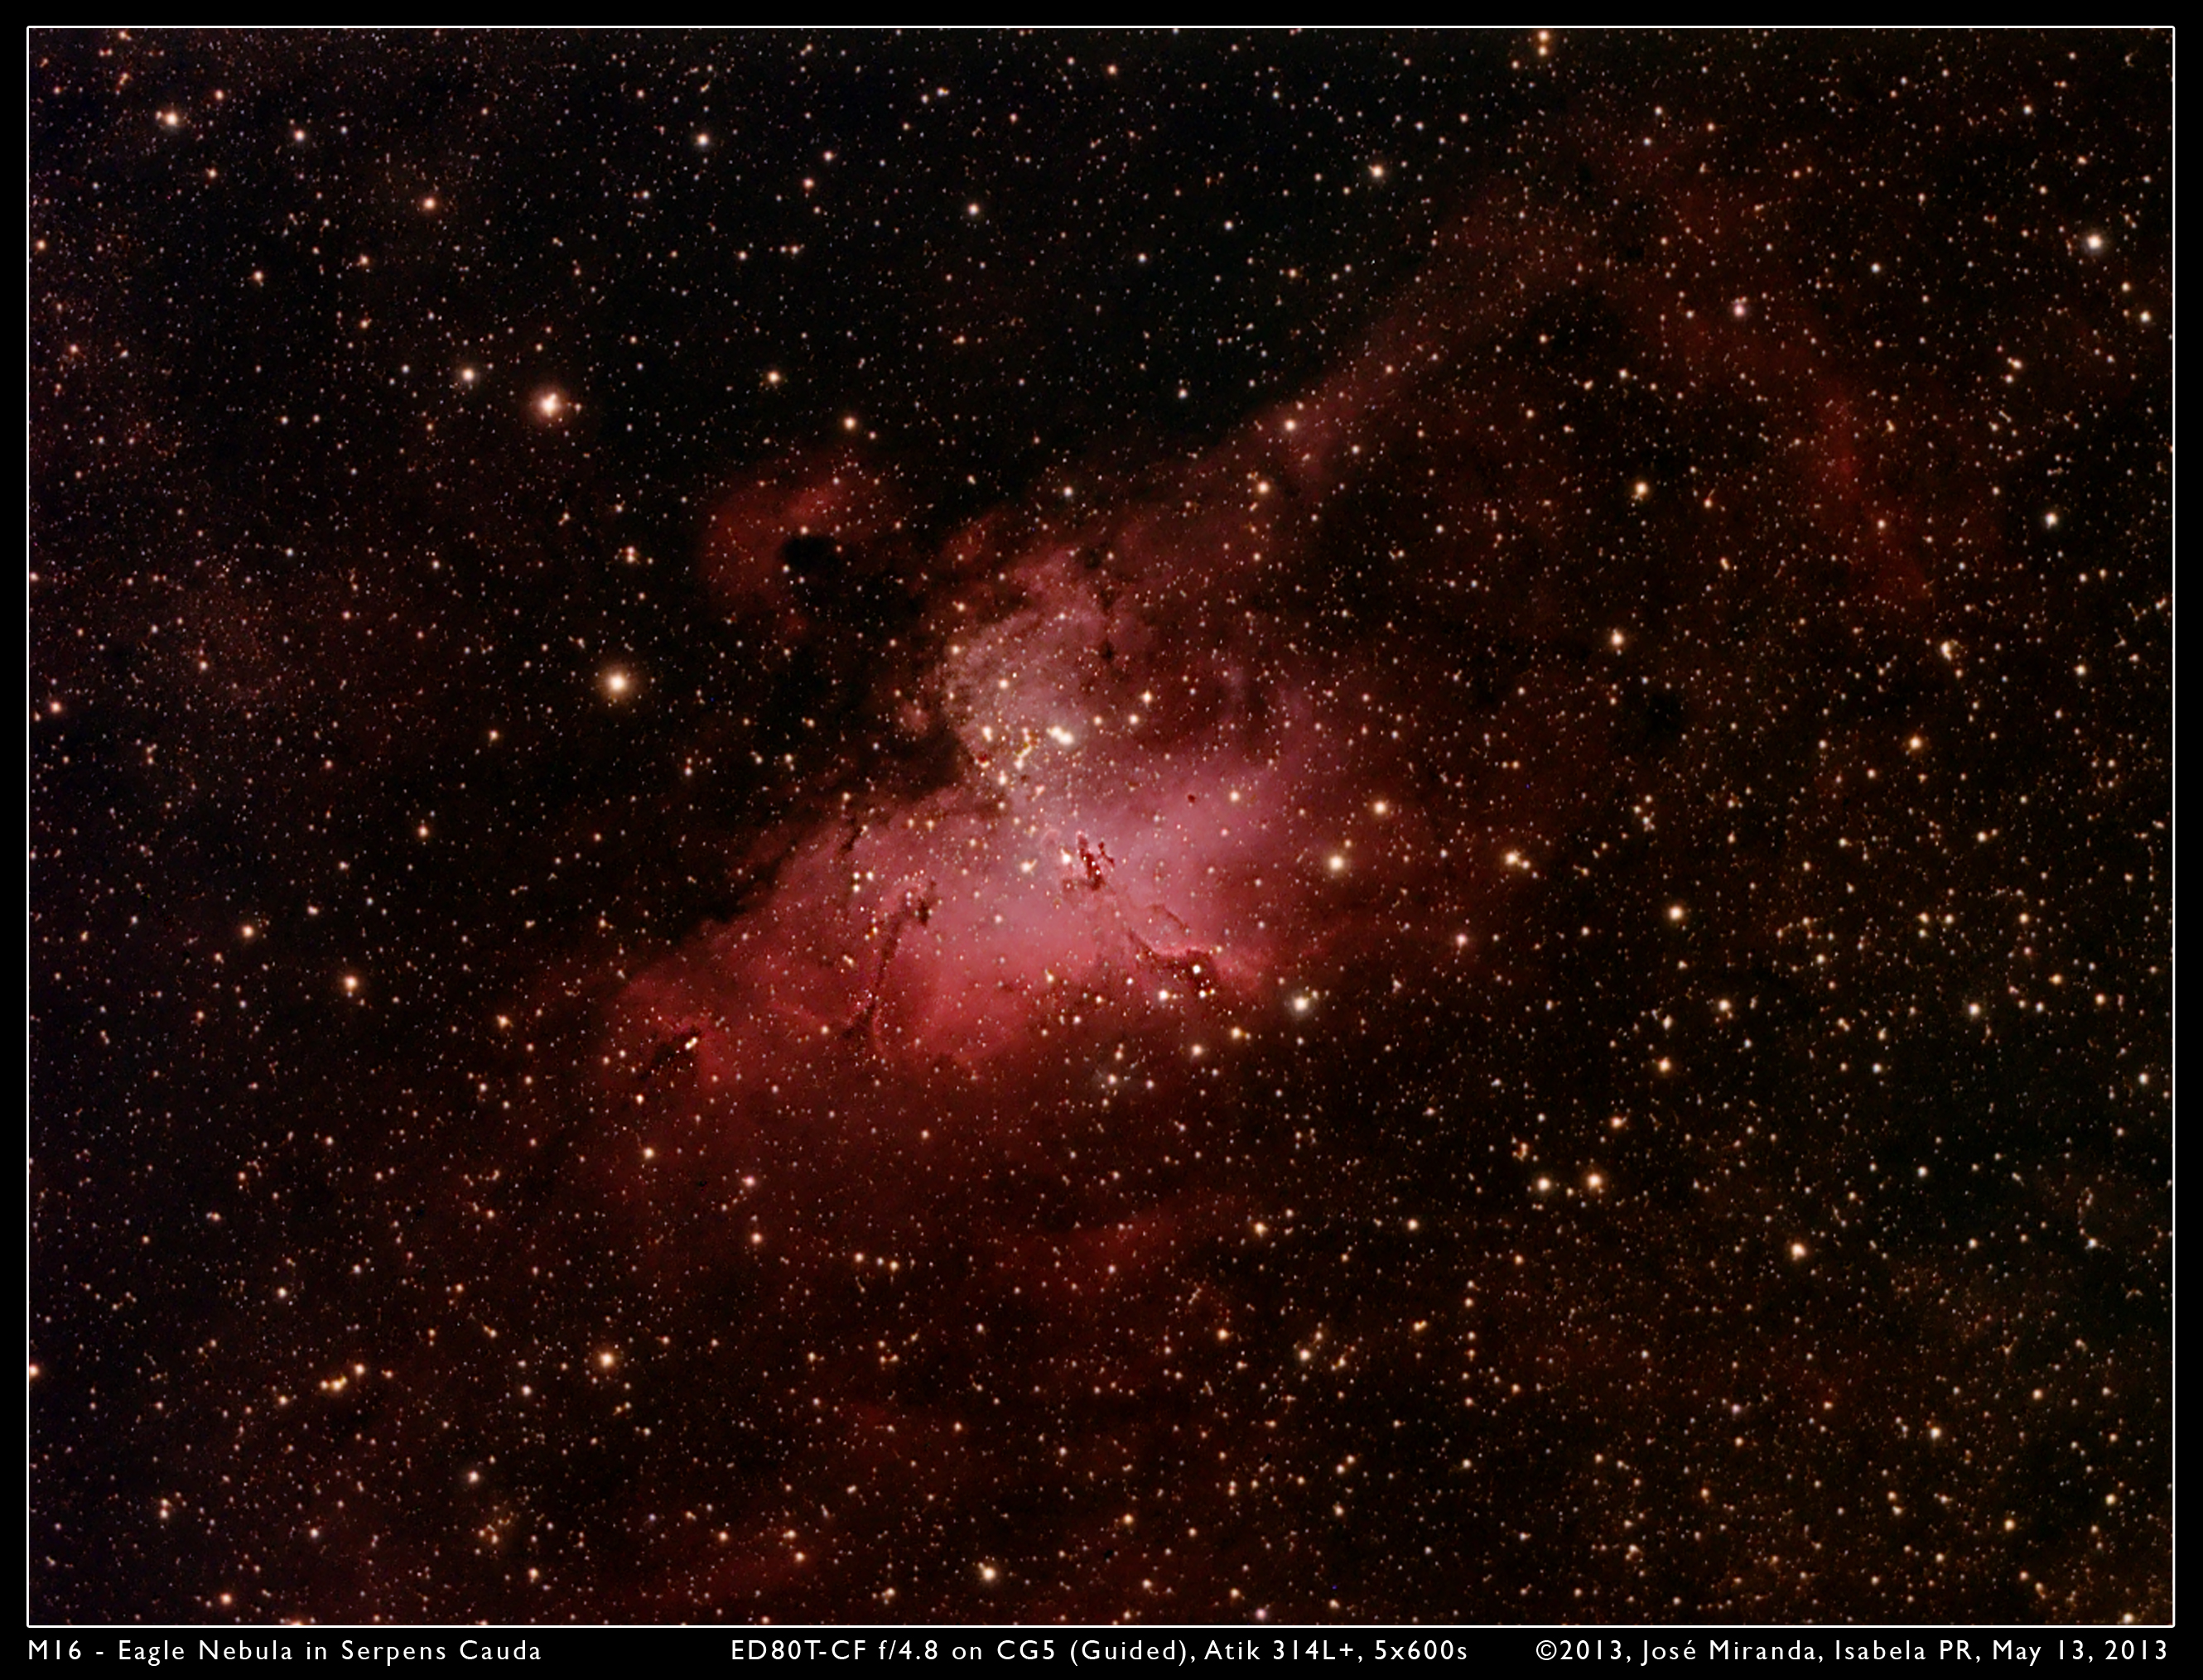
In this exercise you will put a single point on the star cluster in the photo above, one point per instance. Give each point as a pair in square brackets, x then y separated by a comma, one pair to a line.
[1282, 827]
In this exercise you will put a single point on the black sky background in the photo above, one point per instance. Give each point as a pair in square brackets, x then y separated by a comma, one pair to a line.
[1670, 536]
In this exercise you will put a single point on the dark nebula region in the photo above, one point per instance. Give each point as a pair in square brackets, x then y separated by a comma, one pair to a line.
[959, 827]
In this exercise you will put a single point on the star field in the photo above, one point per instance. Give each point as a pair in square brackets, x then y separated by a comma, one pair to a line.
[1304, 828]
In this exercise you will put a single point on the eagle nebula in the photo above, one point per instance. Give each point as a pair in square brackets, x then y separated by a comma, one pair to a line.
[983, 828]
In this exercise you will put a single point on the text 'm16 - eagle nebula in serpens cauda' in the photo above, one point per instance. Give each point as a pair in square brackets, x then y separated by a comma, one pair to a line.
[1325, 828]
